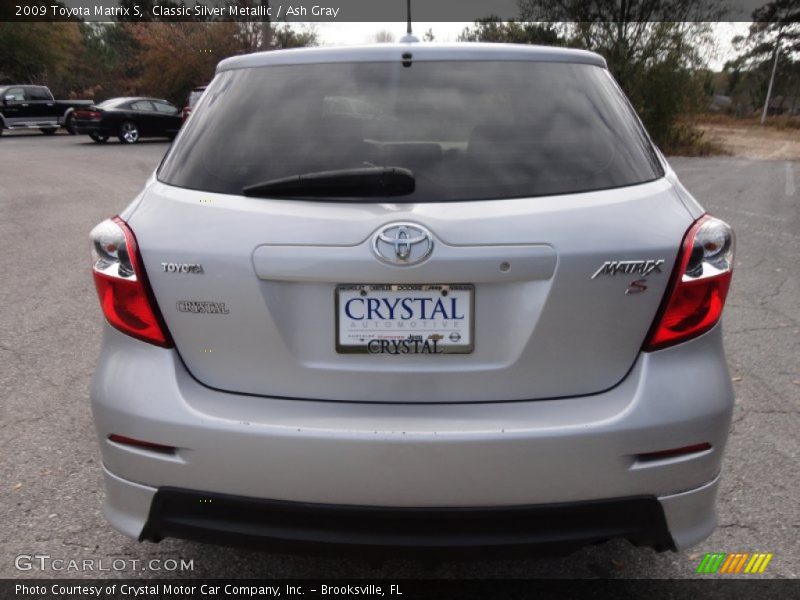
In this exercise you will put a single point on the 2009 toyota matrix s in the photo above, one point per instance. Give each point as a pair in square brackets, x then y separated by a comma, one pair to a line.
[413, 296]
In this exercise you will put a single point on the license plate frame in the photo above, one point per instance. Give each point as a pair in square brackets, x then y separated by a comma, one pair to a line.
[464, 290]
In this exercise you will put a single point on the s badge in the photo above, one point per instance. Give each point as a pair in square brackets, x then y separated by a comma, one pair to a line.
[636, 287]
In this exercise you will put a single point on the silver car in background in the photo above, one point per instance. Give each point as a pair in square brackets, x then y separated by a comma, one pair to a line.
[413, 296]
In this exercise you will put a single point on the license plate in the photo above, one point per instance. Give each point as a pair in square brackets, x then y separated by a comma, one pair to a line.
[404, 319]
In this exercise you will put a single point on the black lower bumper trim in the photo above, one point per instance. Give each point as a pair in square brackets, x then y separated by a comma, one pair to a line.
[320, 528]
[87, 129]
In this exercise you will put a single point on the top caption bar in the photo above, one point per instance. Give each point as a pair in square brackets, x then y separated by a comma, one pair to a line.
[368, 10]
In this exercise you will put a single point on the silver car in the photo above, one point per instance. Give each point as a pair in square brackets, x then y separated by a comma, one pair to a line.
[412, 296]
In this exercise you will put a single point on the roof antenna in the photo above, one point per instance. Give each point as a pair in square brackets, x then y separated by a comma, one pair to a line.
[409, 37]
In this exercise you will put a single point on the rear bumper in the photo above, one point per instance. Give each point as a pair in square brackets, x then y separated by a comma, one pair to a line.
[235, 520]
[85, 128]
[510, 455]
[666, 523]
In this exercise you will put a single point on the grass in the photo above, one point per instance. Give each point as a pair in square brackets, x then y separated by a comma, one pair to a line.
[779, 123]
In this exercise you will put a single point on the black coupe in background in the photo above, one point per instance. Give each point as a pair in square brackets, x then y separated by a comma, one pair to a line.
[129, 119]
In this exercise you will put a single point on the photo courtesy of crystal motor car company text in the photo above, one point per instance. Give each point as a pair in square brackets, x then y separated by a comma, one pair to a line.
[410, 295]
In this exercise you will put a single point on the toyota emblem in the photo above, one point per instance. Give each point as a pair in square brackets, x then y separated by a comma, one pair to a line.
[402, 244]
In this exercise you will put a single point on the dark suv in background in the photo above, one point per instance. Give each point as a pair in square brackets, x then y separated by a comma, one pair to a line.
[33, 107]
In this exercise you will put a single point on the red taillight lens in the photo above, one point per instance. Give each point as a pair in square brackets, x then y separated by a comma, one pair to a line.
[122, 287]
[88, 115]
[187, 110]
[699, 286]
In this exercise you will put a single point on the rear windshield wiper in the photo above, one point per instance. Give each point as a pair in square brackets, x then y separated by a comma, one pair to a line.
[344, 183]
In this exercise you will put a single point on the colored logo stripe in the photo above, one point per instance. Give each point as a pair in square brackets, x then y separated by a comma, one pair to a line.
[734, 563]
[721, 562]
[711, 562]
[758, 563]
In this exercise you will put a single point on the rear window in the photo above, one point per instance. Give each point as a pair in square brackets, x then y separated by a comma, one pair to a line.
[467, 130]
[113, 102]
[142, 105]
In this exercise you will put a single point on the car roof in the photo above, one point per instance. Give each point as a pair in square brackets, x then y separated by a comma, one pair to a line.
[472, 51]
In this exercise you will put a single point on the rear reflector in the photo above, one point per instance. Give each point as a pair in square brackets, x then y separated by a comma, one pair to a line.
[673, 452]
[125, 296]
[121, 439]
[696, 295]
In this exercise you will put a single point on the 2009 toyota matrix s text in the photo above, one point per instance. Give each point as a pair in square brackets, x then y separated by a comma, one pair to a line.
[447, 297]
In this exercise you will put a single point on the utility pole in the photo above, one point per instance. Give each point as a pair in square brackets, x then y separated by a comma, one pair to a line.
[772, 77]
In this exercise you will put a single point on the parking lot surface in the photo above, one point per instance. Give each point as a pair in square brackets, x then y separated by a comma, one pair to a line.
[54, 189]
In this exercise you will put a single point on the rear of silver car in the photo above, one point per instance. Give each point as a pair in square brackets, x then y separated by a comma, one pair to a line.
[413, 296]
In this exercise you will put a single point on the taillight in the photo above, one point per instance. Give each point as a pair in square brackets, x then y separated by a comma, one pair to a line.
[696, 295]
[125, 296]
[88, 115]
[187, 110]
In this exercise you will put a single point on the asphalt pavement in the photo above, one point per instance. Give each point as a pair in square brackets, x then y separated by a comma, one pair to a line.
[53, 190]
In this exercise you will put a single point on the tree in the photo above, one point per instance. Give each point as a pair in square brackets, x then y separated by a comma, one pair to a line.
[175, 57]
[257, 34]
[383, 37]
[652, 48]
[92, 73]
[285, 36]
[492, 29]
[133, 56]
[769, 54]
[38, 53]
[779, 19]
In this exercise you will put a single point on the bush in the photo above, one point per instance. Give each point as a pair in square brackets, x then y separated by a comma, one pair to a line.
[685, 139]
